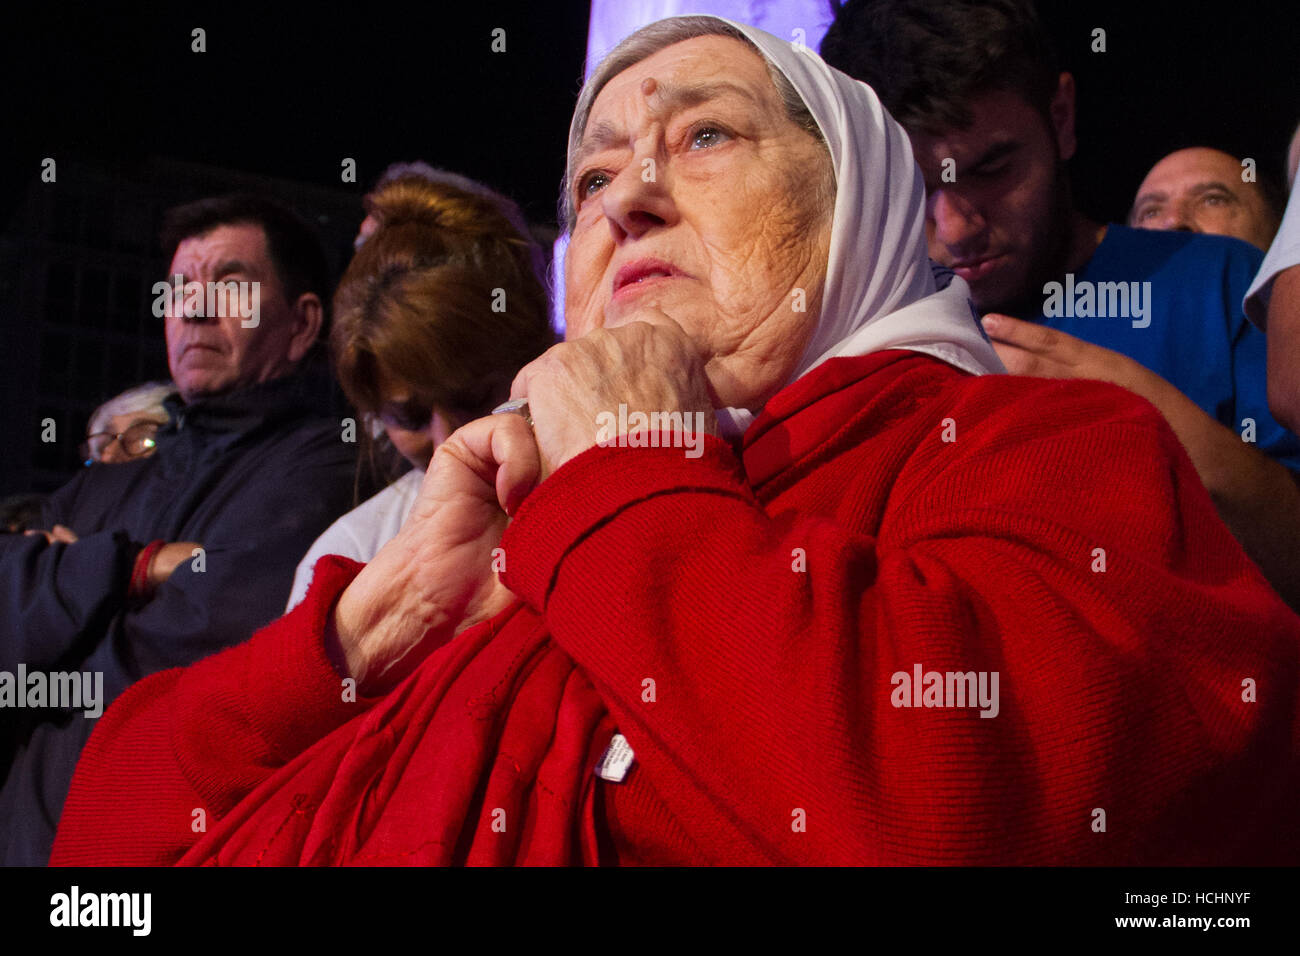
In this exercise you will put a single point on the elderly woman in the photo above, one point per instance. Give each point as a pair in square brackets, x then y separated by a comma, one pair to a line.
[123, 428]
[120, 430]
[898, 612]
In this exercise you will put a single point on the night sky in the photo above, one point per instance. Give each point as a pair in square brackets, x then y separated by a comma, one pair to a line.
[292, 93]
[1223, 74]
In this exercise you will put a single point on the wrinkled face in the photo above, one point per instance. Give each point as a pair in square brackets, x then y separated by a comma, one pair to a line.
[142, 443]
[996, 201]
[696, 195]
[1201, 190]
[211, 354]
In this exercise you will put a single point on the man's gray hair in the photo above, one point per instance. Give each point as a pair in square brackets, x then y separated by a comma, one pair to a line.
[645, 43]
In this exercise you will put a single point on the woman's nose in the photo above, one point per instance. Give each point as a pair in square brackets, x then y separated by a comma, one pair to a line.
[638, 200]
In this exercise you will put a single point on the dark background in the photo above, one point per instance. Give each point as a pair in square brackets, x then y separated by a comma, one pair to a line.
[1197, 73]
[136, 121]
[289, 93]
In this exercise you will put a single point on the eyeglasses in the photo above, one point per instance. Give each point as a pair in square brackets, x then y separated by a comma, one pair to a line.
[136, 441]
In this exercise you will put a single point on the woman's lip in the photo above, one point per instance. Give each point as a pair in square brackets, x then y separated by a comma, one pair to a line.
[978, 269]
[630, 289]
[643, 271]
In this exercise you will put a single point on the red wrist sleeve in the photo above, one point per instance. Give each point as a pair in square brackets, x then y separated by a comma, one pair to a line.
[140, 588]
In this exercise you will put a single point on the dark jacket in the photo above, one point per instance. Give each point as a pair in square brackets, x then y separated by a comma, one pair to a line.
[253, 476]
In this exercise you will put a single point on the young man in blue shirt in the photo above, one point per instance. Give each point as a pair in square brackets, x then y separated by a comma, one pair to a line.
[991, 122]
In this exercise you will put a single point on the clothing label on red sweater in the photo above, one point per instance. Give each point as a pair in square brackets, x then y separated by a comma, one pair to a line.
[617, 760]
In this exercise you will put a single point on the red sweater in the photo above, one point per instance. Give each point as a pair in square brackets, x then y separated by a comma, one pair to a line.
[774, 600]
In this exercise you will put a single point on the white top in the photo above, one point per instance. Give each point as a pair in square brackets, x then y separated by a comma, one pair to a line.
[361, 532]
[1282, 255]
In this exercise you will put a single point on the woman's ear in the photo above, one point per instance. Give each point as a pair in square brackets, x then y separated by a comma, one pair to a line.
[309, 316]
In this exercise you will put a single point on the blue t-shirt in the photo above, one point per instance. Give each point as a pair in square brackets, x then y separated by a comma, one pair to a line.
[1187, 325]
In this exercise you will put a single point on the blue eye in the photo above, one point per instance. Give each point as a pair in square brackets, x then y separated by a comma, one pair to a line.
[590, 183]
[705, 136]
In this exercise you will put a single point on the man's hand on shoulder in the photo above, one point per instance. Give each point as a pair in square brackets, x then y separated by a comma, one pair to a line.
[1027, 348]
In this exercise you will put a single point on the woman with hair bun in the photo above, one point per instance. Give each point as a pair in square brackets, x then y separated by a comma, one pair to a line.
[440, 307]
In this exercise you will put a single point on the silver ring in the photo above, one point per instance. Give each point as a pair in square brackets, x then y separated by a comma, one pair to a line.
[517, 405]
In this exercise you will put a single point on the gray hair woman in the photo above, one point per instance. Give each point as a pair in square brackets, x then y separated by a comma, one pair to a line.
[123, 428]
[901, 613]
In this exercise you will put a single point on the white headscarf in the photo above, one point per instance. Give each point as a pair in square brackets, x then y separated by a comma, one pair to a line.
[880, 292]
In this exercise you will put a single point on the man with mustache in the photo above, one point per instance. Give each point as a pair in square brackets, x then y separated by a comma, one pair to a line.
[157, 562]
[991, 120]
